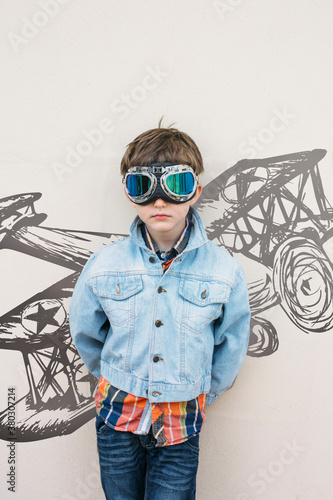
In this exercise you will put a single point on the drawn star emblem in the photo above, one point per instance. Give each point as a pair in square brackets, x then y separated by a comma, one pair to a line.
[44, 316]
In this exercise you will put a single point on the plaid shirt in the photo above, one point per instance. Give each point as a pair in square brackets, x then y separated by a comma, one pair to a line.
[172, 423]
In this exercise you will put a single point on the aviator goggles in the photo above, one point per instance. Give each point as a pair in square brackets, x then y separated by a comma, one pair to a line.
[173, 183]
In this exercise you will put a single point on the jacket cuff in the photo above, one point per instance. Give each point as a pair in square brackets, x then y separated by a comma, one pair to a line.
[210, 398]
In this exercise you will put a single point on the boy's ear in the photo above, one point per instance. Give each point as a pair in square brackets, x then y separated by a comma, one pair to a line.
[197, 194]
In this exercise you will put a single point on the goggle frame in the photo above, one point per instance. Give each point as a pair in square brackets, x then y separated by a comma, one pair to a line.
[165, 172]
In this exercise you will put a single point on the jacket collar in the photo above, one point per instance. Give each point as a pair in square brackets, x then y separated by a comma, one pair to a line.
[198, 235]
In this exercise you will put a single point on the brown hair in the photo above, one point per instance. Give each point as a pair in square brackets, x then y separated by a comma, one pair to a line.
[162, 145]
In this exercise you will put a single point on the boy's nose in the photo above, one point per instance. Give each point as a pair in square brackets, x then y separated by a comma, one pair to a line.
[159, 202]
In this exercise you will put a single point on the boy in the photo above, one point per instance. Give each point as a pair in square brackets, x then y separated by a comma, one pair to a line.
[161, 318]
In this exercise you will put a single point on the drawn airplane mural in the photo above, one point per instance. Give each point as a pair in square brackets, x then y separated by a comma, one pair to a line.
[273, 211]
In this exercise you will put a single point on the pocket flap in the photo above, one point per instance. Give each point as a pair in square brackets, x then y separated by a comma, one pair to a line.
[203, 293]
[116, 287]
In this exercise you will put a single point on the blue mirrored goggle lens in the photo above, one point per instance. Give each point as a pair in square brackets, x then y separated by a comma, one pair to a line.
[137, 184]
[181, 183]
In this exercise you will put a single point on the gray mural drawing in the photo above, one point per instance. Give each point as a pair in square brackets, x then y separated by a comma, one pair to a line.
[273, 211]
[278, 215]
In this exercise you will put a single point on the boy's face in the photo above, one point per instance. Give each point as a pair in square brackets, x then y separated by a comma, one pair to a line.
[164, 219]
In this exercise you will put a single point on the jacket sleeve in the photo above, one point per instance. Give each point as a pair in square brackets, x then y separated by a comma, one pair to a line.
[88, 322]
[231, 339]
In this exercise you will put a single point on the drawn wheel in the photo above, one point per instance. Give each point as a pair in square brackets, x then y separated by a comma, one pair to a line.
[49, 376]
[85, 383]
[263, 338]
[59, 374]
[53, 381]
[303, 277]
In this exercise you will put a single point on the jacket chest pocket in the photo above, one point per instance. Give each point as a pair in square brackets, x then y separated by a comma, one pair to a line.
[201, 303]
[118, 296]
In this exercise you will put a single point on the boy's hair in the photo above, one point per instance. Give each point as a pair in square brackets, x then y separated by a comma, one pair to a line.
[162, 145]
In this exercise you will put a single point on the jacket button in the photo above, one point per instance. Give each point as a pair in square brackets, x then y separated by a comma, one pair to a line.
[161, 289]
[158, 323]
[152, 260]
[147, 391]
[155, 359]
[204, 294]
[156, 393]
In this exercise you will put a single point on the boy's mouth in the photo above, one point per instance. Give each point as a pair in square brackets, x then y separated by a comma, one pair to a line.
[161, 216]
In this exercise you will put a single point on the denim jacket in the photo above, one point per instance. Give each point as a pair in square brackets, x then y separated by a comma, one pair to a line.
[164, 336]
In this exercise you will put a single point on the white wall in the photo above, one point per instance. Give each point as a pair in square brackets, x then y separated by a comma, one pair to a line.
[223, 72]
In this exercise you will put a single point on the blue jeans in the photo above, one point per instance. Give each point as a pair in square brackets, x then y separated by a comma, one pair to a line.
[132, 468]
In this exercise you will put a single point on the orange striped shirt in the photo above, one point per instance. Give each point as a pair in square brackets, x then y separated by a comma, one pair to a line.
[172, 423]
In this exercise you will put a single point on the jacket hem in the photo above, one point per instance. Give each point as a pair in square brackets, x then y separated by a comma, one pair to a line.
[158, 392]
